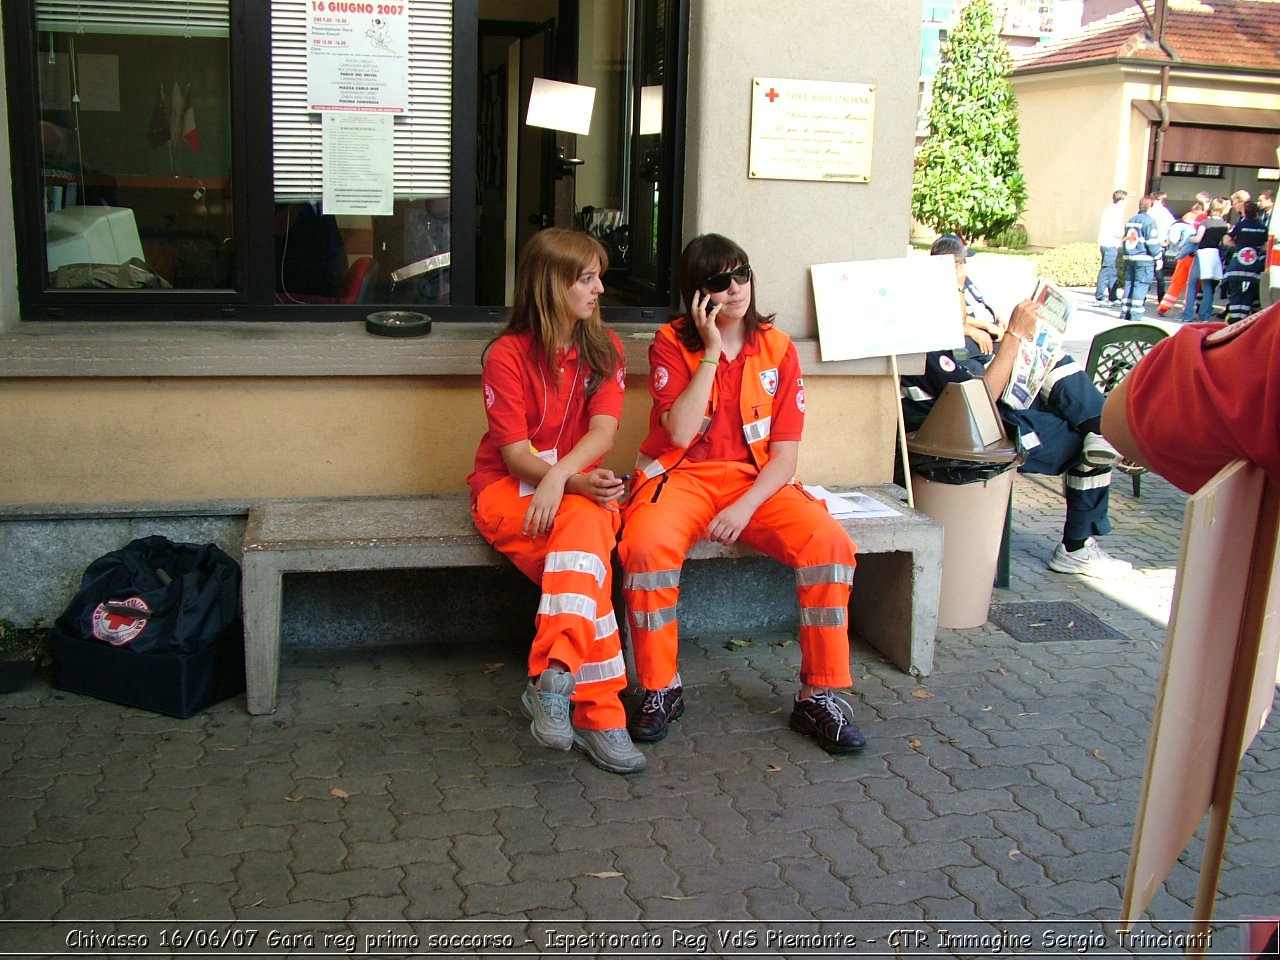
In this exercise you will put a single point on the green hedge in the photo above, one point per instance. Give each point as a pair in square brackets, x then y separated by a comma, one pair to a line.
[1074, 265]
[1010, 238]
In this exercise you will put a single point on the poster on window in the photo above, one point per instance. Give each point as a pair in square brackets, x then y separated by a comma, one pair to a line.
[357, 56]
[358, 164]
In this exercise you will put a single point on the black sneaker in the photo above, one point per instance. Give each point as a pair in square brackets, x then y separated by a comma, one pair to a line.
[659, 708]
[822, 717]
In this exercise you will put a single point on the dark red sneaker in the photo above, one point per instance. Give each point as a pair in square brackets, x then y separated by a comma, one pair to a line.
[657, 711]
[822, 717]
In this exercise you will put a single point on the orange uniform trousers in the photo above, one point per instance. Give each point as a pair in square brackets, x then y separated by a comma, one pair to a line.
[1176, 284]
[575, 623]
[791, 527]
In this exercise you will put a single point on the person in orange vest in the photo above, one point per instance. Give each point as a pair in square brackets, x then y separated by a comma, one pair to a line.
[719, 463]
[553, 382]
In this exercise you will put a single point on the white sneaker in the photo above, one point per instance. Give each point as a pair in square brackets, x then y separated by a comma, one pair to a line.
[1097, 453]
[1089, 561]
[610, 750]
[546, 703]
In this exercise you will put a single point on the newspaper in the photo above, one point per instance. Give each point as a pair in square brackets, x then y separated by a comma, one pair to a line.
[1037, 356]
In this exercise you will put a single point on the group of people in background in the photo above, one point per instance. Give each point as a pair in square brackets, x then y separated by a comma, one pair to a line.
[1217, 246]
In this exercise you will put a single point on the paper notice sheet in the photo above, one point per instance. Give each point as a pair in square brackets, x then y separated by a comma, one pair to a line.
[847, 505]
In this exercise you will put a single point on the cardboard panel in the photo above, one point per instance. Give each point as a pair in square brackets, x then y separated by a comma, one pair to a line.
[1194, 704]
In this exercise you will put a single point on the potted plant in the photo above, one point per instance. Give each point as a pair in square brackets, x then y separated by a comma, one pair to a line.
[21, 651]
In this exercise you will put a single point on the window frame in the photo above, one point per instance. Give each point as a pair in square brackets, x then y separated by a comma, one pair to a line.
[252, 296]
[39, 303]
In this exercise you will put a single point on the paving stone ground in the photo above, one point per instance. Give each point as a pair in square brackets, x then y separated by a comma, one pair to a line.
[996, 796]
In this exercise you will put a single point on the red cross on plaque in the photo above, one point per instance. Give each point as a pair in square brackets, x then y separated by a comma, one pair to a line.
[772, 94]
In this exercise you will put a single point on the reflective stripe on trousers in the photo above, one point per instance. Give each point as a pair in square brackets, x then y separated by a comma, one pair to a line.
[822, 616]
[554, 604]
[653, 619]
[1093, 481]
[824, 573]
[653, 580]
[575, 624]
[599, 671]
[581, 560]
[1058, 374]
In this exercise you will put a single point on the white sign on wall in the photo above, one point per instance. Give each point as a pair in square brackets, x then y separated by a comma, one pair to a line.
[883, 308]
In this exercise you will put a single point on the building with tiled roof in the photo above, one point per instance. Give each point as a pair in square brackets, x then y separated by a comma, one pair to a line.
[1180, 96]
[1227, 34]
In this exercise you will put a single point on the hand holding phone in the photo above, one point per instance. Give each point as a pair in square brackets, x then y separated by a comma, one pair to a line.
[704, 317]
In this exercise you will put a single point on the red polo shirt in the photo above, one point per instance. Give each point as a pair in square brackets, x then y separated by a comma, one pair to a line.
[523, 401]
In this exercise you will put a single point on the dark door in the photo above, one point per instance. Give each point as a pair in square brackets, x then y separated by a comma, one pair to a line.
[534, 192]
[622, 187]
[544, 193]
[523, 187]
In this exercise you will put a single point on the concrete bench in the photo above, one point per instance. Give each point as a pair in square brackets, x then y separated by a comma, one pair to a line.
[895, 596]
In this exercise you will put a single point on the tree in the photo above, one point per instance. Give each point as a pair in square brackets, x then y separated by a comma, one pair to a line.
[967, 177]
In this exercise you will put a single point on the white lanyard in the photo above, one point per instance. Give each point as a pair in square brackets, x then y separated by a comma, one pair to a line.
[573, 385]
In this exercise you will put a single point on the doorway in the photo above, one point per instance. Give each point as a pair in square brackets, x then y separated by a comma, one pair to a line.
[605, 181]
[521, 186]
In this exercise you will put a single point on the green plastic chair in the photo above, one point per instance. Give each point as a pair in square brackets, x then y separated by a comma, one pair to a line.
[1112, 354]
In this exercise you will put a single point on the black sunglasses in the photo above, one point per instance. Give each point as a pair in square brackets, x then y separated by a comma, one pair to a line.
[719, 282]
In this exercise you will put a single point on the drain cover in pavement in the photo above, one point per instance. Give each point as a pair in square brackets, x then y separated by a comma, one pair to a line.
[1050, 622]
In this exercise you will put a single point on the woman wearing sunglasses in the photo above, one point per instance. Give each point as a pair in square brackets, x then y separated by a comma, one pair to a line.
[719, 463]
[553, 384]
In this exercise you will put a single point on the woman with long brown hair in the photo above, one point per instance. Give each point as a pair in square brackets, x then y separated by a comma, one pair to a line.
[553, 385]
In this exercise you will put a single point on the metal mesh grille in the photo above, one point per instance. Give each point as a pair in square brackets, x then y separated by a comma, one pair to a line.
[1050, 622]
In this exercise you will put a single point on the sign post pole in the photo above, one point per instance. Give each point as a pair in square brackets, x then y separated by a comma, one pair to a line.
[902, 434]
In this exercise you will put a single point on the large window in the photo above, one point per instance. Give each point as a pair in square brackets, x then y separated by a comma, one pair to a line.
[170, 161]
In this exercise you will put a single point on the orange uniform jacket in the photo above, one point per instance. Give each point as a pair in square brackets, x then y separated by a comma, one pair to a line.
[657, 455]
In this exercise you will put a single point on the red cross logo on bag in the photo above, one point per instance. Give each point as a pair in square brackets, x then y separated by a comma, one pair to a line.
[118, 622]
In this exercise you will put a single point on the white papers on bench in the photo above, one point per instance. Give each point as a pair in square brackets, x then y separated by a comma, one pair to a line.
[844, 506]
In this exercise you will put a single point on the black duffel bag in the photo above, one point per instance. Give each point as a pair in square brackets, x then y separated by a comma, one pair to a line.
[156, 596]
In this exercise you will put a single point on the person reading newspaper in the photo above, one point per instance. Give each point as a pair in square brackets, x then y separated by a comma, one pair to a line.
[1058, 431]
